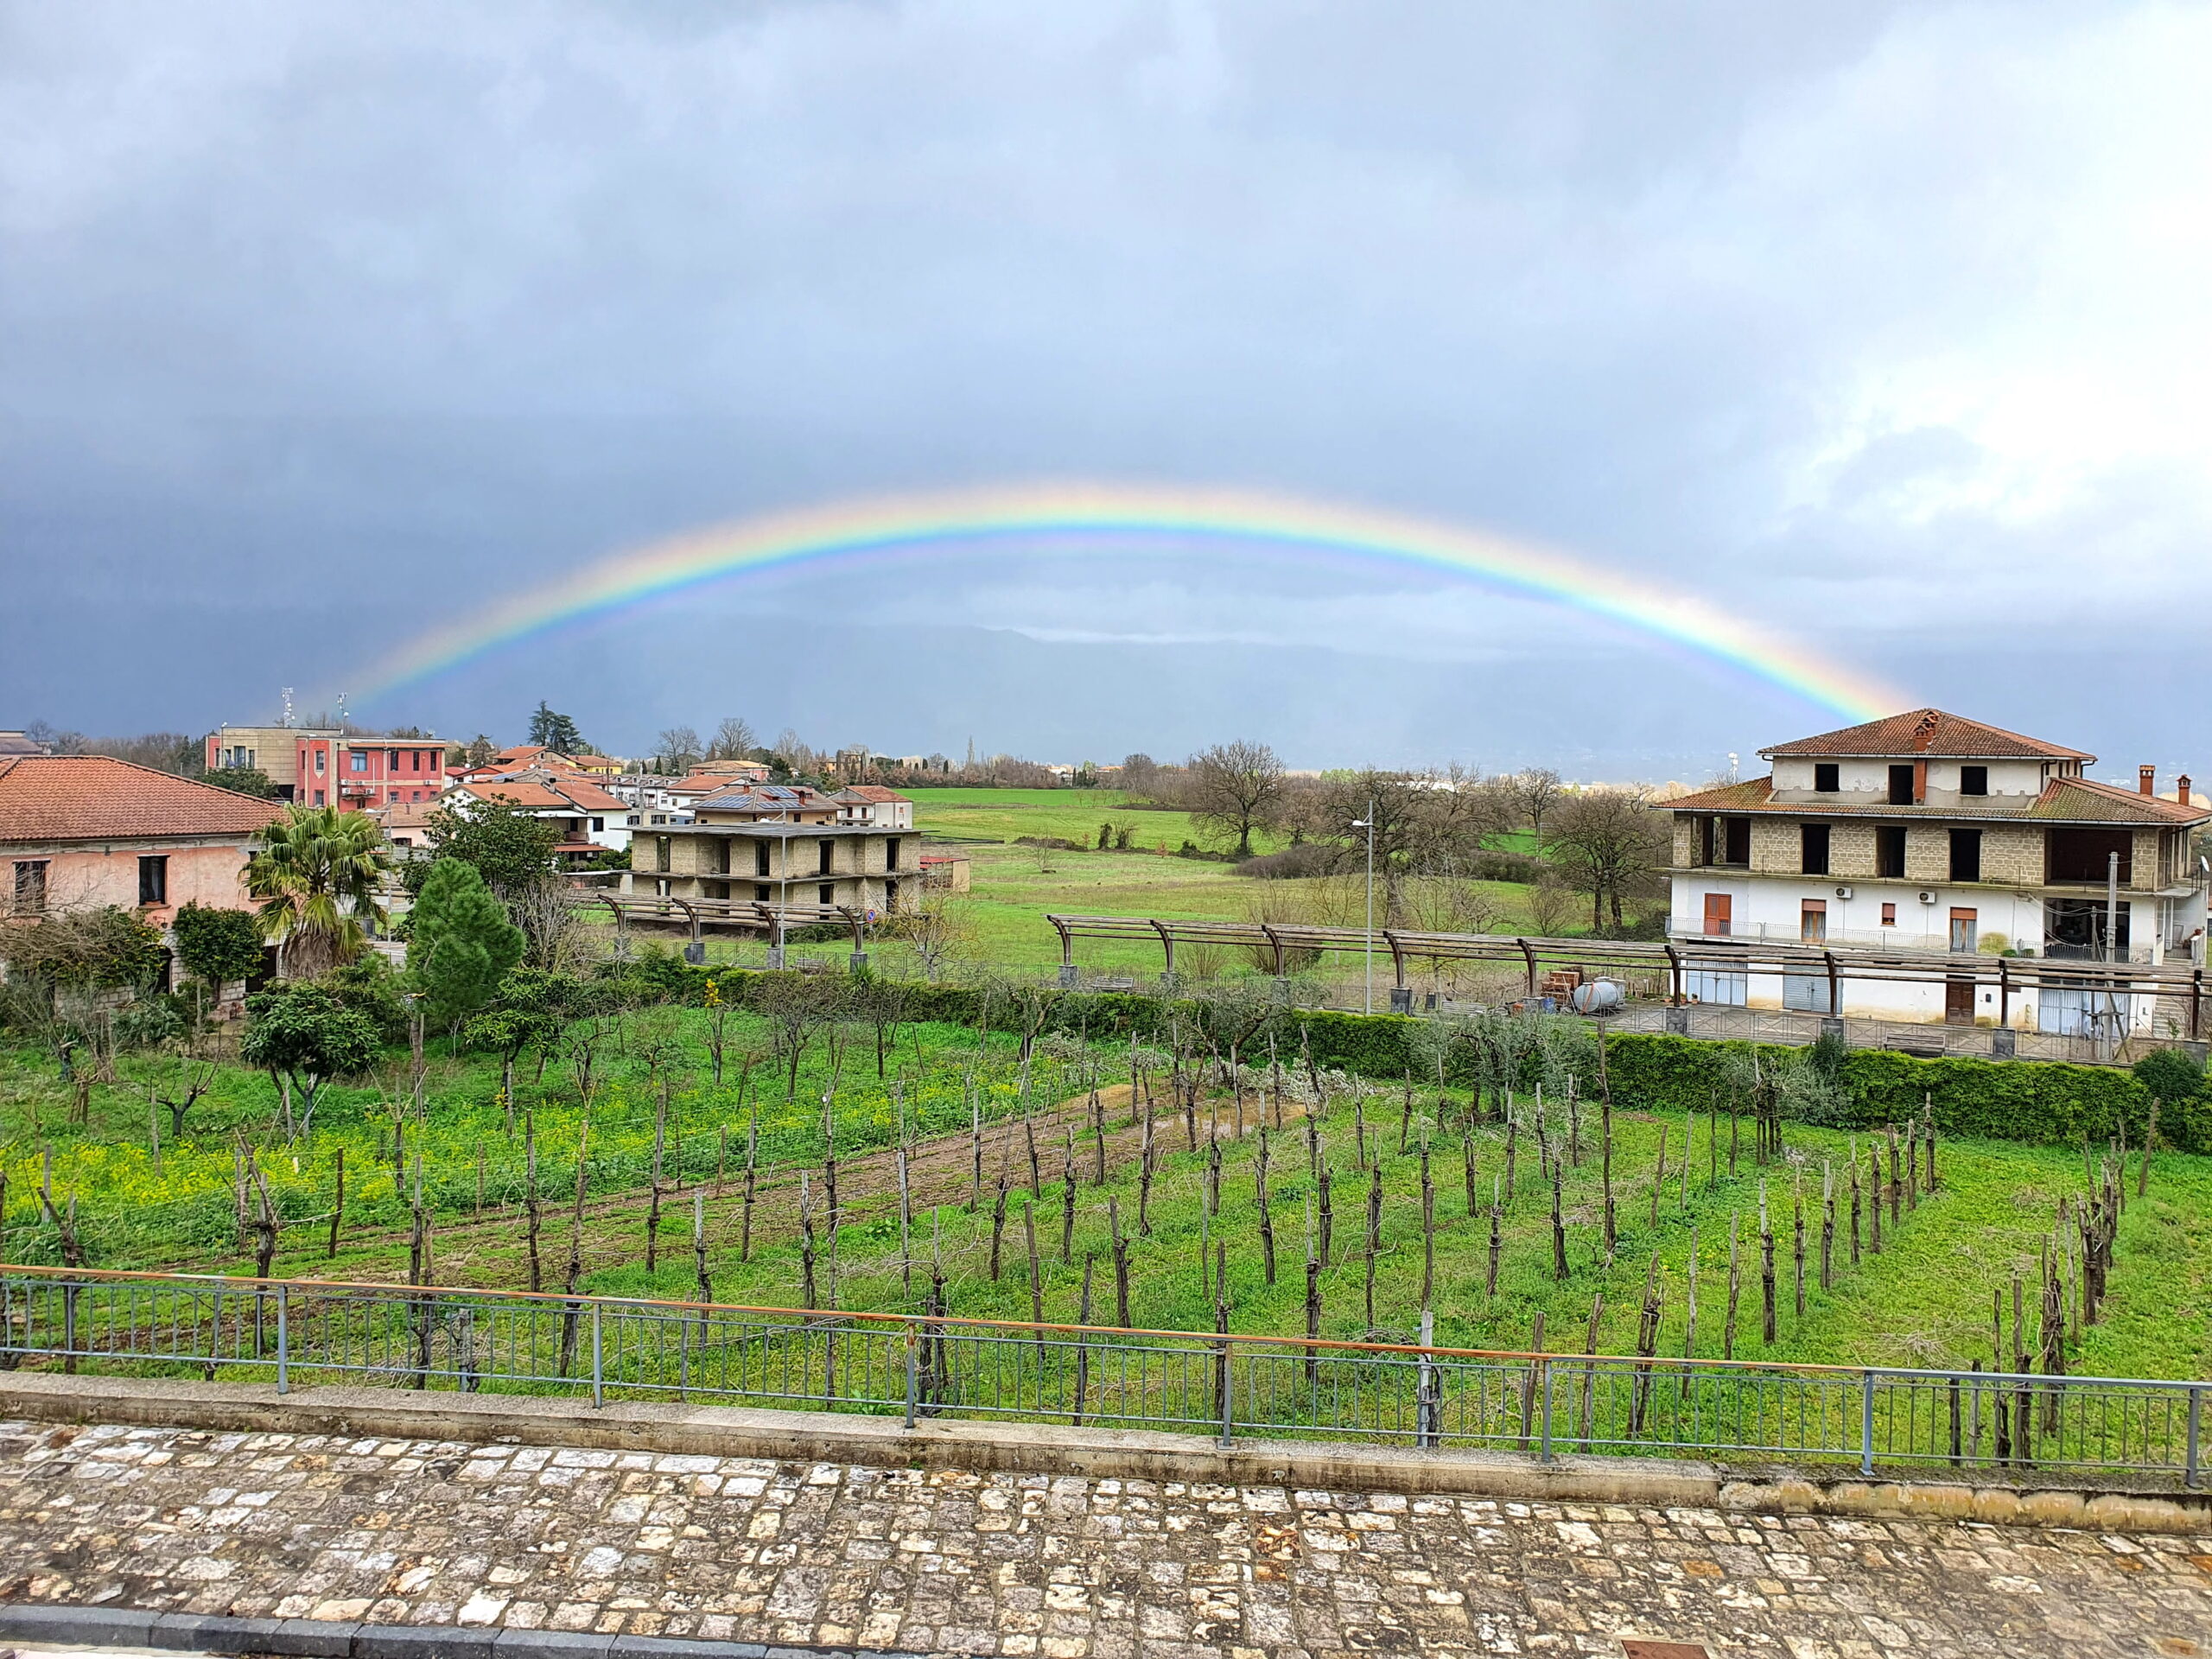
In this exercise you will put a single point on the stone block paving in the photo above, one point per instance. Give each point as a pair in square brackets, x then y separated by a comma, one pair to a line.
[432, 1533]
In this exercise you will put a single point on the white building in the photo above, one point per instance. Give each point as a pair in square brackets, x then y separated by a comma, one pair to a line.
[872, 804]
[1927, 832]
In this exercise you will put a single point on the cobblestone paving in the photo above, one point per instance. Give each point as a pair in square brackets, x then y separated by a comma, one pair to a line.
[417, 1532]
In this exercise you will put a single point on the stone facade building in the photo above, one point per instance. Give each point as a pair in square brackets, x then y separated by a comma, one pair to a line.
[1930, 832]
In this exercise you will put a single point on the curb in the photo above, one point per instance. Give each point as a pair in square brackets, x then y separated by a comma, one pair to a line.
[988, 1447]
[315, 1638]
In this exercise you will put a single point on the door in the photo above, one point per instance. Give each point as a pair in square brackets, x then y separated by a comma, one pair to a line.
[1813, 921]
[1958, 1001]
[1719, 908]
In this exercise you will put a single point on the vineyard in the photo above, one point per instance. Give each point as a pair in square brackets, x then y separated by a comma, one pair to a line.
[1211, 1175]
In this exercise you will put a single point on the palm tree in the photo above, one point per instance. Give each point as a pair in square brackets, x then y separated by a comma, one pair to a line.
[316, 877]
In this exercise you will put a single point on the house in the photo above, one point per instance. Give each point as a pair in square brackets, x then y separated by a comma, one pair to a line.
[1930, 832]
[17, 743]
[407, 827]
[769, 804]
[778, 845]
[323, 767]
[647, 796]
[588, 817]
[874, 804]
[83, 831]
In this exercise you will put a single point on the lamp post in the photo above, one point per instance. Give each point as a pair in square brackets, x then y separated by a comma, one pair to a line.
[1368, 824]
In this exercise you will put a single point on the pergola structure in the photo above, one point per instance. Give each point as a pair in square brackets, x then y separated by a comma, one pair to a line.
[1677, 959]
[698, 913]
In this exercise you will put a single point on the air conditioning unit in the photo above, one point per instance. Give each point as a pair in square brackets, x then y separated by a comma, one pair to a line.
[1843, 893]
[1927, 897]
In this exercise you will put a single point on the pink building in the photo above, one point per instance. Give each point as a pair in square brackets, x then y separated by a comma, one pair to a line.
[82, 831]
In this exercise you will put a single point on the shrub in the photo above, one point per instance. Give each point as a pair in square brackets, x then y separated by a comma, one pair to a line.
[1294, 862]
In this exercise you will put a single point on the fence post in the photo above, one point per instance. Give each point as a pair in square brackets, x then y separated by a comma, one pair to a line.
[1866, 1423]
[284, 1341]
[1228, 1414]
[1425, 1412]
[913, 1376]
[1544, 1451]
[69, 1328]
[2195, 1412]
[598, 1375]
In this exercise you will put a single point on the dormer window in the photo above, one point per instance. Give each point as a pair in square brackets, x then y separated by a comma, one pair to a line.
[1973, 780]
[1827, 777]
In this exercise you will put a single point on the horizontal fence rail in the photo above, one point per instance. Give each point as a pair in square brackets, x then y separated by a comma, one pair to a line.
[926, 1366]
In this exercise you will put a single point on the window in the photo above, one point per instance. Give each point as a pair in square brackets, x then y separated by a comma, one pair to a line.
[890, 854]
[662, 887]
[1705, 839]
[632, 819]
[760, 862]
[318, 794]
[1973, 780]
[1827, 777]
[1901, 781]
[1812, 849]
[318, 757]
[1813, 921]
[1962, 932]
[891, 895]
[30, 885]
[828, 856]
[153, 878]
[1737, 836]
[1966, 854]
[597, 825]
[1889, 915]
[1889, 850]
[828, 891]
[1718, 907]
[357, 760]
[760, 890]
[2085, 856]
[664, 853]
[392, 760]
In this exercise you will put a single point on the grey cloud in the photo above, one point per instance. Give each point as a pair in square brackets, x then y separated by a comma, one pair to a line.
[366, 310]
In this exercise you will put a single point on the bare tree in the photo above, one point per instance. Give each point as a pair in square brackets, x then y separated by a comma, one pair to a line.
[733, 740]
[937, 927]
[1610, 844]
[679, 750]
[1535, 790]
[1235, 788]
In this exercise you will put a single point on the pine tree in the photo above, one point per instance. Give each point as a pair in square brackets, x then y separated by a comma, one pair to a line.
[461, 943]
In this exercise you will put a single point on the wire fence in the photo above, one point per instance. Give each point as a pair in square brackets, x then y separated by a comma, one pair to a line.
[925, 1366]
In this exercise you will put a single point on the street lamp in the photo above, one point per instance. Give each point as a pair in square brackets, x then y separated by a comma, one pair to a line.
[1368, 824]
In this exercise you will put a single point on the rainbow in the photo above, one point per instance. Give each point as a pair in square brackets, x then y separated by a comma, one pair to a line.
[1058, 515]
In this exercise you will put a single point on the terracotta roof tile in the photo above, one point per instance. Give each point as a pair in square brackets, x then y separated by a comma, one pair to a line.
[2063, 800]
[1928, 731]
[96, 797]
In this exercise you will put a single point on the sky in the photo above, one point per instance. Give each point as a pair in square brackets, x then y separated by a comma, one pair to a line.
[1886, 328]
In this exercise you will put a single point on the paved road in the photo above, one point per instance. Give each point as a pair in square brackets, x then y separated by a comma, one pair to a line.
[419, 1532]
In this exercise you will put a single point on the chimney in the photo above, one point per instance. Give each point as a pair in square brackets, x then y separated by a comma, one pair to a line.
[2146, 780]
[2181, 786]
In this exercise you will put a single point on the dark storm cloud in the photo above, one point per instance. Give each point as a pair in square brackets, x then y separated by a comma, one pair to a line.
[1862, 318]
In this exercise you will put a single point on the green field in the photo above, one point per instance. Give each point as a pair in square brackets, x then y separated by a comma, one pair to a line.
[1926, 1299]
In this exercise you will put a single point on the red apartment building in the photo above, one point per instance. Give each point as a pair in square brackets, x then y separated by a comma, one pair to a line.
[324, 768]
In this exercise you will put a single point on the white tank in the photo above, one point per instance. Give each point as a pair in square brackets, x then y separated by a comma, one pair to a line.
[1599, 997]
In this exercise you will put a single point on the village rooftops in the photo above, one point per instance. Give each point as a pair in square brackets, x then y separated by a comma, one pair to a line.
[1926, 732]
[46, 798]
[539, 790]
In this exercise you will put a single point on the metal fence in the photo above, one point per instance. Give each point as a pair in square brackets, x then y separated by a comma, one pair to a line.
[292, 1331]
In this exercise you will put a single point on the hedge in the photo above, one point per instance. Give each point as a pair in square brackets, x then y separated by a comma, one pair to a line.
[2032, 1101]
